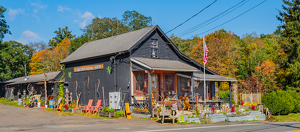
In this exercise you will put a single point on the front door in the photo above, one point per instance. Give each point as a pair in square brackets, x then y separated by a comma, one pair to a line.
[155, 86]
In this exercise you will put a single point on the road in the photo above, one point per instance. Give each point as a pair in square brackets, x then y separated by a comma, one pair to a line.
[36, 120]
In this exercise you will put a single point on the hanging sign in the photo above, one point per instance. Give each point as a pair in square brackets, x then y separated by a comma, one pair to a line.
[88, 68]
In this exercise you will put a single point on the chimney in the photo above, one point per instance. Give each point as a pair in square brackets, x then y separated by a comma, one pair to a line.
[25, 73]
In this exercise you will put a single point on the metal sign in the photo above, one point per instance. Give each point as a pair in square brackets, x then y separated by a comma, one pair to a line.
[88, 68]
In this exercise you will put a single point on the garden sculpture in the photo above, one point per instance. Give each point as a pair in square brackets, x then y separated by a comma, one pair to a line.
[175, 112]
[186, 103]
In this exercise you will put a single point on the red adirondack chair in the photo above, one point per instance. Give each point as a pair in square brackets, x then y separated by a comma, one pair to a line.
[95, 109]
[87, 108]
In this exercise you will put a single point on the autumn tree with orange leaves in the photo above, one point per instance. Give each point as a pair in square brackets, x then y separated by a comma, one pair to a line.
[47, 61]
[221, 57]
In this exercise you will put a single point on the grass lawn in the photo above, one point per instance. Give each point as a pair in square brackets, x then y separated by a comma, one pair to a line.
[7, 102]
[293, 117]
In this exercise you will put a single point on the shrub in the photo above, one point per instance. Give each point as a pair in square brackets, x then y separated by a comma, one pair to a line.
[279, 102]
[296, 100]
[119, 114]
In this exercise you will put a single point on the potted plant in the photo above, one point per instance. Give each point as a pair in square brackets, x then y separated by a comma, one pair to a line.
[108, 112]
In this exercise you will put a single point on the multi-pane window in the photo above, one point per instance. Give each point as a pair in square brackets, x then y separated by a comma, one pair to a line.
[168, 83]
[154, 48]
[139, 81]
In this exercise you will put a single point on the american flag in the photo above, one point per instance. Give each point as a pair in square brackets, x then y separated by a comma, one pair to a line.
[205, 52]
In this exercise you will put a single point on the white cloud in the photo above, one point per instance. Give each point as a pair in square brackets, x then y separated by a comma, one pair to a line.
[88, 16]
[28, 36]
[12, 13]
[62, 9]
[39, 5]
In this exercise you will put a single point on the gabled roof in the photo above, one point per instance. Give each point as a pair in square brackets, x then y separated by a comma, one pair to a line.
[114, 44]
[166, 65]
[122, 43]
[52, 76]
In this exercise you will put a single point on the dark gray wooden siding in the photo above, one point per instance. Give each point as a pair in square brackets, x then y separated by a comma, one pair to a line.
[106, 79]
[164, 51]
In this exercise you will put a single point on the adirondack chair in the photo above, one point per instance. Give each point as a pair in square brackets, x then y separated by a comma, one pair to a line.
[87, 108]
[95, 109]
[56, 105]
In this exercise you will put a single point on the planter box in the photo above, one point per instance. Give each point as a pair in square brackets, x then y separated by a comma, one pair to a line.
[141, 112]
[76, 111]
[140, 115]
[196, 120]
[107, 114]
[67, 110]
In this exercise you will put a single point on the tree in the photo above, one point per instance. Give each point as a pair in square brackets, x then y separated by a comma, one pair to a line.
[265, 74]
[290, 42]
[79, 41]
[222, 54]
[13, 57]
[37, 46]
[104, 28]
[3, 26]
[61, 34]
[185, 46]
[47, 60]
[135, 20]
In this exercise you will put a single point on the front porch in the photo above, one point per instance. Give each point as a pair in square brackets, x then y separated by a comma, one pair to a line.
[157, 81]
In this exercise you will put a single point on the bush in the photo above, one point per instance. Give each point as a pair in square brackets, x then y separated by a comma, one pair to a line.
[279, 102]
[296, 100]
[119, 114]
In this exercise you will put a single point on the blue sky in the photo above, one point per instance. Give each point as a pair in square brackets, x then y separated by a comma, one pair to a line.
[34, 21]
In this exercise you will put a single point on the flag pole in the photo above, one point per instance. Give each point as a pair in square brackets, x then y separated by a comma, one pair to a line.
[204, 71]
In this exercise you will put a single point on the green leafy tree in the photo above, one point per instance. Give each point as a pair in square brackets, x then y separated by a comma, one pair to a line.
[78, 41]
[104, 28]
[3, 26]
[290, 42]
[184, 45]
[135, 20]
[13, 57]
[61, 34]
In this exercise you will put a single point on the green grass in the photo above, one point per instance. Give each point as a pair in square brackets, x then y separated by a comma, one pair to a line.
[6, 102]
[293, 117]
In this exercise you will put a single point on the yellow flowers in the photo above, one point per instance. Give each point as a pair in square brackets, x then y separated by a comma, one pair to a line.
[252, 104]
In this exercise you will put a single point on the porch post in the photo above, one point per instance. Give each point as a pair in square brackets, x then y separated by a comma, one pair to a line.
[149, 92]
[230, 103]
[219, 94]
[193, 86]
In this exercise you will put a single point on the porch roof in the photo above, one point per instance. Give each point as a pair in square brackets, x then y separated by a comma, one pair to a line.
[35, 78]
[209, 77]
[166, 65]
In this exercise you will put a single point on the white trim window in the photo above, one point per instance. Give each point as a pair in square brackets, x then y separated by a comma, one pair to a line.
[154, 48]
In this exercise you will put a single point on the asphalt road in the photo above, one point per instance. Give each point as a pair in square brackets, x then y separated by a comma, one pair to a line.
[34, 119]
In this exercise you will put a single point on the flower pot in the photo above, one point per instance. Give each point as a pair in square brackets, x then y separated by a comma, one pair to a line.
[42, 106]
[46, 106]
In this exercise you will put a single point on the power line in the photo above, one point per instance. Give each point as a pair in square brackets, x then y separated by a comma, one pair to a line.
[234, 17]
[213, 19]
[191, 17]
